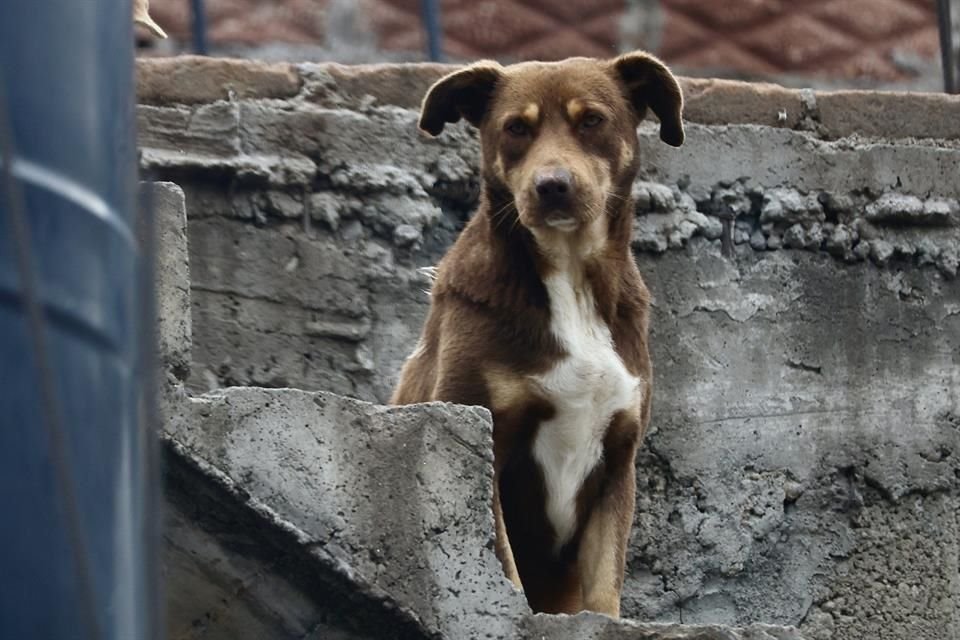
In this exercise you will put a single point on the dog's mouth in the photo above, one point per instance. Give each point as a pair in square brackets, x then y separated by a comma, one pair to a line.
[561, 221]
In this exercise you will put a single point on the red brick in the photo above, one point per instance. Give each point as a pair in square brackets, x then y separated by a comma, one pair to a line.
[548, 46]
[845, 38]
[869, 63]
[923, 42]
[798, 42]
[575, 12]
[494, 28]
[681, 35]
[739, 14]
[871, 20]
[724, 56]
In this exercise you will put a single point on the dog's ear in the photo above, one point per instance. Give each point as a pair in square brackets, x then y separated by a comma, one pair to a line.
[461, 94]
[648, 83]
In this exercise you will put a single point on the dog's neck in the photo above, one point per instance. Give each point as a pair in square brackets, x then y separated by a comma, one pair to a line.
[498, 265]
[592, 256]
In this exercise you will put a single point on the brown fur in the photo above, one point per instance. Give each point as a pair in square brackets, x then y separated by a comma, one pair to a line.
[489, 327]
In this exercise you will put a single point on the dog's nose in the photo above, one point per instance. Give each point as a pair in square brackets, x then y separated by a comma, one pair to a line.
[554, 186]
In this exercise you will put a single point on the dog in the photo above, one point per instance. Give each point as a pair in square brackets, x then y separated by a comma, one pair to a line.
[539, 313]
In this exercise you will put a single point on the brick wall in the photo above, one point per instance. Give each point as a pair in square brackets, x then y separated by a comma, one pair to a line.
[868, 40]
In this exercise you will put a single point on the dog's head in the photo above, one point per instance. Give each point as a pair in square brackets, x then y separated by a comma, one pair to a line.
[559, 137]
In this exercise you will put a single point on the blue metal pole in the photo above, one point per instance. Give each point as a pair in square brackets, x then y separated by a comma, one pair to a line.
[76, 549]
[199, 27]
[946, 46]
[431, 23]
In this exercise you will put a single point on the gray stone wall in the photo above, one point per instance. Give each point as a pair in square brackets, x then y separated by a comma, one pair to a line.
[802, 468]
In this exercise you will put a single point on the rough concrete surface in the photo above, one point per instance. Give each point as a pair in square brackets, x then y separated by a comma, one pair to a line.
[839, 113]
[199, 79]
[395, 497]
[225, 583]
[384, 509]
[172, 266]
[806, 426]
[802, 469]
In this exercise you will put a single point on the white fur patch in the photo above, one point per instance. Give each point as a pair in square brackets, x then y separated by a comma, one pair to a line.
[418, 350]
[586, 387]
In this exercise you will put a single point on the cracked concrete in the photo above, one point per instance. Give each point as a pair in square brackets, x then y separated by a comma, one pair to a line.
[778, 426]
[310, 515]
[417, 533]
[802, 467]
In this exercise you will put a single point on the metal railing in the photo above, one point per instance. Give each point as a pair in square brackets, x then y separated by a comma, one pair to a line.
[947, 60]
[429, 14]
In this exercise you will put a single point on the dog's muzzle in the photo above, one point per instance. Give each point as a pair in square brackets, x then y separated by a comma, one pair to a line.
[555, 195]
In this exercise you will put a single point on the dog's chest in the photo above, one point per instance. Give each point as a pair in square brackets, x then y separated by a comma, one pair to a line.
[587, 387]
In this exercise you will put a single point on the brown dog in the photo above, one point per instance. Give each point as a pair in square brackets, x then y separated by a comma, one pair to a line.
[539, 312]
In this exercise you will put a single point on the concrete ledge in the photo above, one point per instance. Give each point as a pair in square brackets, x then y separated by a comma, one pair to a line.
[587, 626]
[194, 80]
[889, 114]
[401, 85]
[395, 499]
[722, 102]
[391, 503]
[174, 326]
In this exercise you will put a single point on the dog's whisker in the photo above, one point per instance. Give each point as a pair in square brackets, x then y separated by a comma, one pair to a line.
[502, 214]
[593, 212]
[516, 221]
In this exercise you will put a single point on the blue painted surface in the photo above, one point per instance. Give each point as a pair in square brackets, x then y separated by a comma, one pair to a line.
[67, 71]
[199, 27]
[431, 24]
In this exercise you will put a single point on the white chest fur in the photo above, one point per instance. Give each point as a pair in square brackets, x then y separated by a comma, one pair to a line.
[586, 388]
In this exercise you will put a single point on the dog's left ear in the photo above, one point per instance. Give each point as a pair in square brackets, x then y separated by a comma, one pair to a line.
[648, 83]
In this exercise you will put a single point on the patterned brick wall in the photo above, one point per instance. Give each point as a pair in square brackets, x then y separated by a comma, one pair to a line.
[512, 29]
[828, 38]
[250, 22]
[846, 38]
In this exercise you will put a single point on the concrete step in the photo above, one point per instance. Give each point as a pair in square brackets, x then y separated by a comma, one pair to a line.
[388, 507]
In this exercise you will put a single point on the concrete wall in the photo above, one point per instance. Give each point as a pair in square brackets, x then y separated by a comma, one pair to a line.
[298, 515]
[802, 469]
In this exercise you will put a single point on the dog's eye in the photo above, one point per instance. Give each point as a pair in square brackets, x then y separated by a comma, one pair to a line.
[591, 120]
[517, 128]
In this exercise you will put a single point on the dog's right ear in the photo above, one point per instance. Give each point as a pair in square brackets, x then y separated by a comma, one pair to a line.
[649, 83]
[462, 94]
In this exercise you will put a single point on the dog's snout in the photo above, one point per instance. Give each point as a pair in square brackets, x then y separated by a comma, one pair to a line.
[555, 185]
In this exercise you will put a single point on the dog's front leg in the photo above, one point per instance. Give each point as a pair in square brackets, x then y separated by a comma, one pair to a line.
[503, 550]
[603, 547]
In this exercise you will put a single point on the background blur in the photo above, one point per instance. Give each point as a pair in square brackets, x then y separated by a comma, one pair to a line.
[821, 43]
